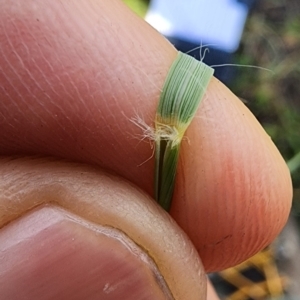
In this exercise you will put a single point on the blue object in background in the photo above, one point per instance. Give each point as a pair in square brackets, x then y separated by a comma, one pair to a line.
[190, 24]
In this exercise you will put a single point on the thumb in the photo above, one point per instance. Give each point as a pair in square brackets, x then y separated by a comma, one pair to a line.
[74, 232]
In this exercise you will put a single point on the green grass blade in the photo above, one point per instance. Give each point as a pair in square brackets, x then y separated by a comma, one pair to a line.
[167, 172]
[182, 93]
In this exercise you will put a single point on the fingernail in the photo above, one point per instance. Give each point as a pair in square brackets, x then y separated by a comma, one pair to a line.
[52, 254]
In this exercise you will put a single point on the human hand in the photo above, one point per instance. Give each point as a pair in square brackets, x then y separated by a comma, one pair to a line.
[73, 75]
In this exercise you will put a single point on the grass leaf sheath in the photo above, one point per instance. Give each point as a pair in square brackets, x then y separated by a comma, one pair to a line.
[182, 93]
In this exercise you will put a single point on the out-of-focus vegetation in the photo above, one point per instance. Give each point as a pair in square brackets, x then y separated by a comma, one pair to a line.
[271, 40]
[139, 6]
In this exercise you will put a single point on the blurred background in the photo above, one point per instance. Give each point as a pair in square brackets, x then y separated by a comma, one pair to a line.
[266, 34]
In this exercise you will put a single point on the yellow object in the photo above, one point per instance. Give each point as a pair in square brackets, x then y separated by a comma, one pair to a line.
[138, 6]
[272, 287]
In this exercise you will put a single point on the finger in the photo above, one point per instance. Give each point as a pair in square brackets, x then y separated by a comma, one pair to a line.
[91, 236]
[51, 248]
[73, 76]
[211, 293]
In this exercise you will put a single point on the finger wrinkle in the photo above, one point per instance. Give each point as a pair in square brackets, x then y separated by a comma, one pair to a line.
[76, 87]
[33, 73]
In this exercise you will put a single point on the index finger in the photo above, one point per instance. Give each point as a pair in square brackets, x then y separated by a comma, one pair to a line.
[73, 75]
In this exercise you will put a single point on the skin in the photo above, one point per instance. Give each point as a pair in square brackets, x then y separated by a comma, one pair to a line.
[72, 75]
